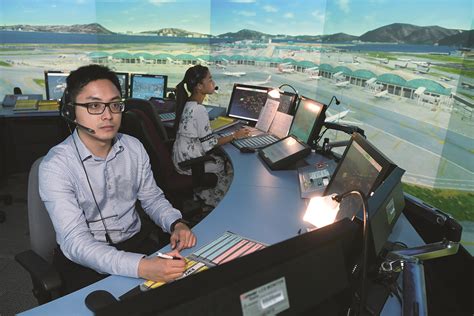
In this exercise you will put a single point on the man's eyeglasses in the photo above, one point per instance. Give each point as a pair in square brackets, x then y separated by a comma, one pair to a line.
[97, 108]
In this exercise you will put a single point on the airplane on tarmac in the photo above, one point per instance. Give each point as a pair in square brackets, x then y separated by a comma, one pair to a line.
[401, 65]
[382, 94]
[422, 63]
[315, 76]
[338, 75]
[259, 83]
[342, 84]
[422, 69]
[336, 117]
[286, 68]
[172, 61]
[204, 62]
[234, 73]
[311, 70]
[221, 66]
[382, 60]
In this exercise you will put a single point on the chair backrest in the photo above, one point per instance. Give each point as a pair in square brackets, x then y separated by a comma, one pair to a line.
[42, 234]
[150, 110]
[136, 123]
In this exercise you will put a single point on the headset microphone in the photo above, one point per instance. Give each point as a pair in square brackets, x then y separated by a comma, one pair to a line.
[215, 89]
[88, 129]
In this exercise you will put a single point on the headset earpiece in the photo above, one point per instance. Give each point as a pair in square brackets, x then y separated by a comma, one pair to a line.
[67, 109]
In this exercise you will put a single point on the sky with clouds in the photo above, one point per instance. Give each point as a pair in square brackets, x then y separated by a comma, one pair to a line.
[295, 17]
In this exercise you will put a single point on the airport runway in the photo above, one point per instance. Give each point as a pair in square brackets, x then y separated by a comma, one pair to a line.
[447, 153]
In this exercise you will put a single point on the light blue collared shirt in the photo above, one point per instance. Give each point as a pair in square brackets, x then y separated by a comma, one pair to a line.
[117, 182]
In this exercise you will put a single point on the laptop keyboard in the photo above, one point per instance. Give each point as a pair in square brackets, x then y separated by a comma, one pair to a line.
[168, 116]
[255, 142]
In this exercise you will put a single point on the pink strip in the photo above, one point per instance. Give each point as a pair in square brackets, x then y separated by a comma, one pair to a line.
[254, 248]
[239, 252]
[229, 251]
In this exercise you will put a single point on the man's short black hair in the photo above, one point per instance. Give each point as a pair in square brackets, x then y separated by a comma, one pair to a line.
[82, 76]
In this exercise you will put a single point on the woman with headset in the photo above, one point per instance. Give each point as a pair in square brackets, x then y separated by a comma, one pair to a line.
[194, 135]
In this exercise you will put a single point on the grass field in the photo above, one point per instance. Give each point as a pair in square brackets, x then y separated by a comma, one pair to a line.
[39, 82]
[459, 204]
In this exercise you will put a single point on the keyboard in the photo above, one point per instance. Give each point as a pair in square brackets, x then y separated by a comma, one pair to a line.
[255, 142]
[226, 134]
[168, 116]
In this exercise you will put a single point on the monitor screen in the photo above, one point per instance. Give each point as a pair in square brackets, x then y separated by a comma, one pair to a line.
[362, 167]
[247, 101]
[55, 83]
[308, 121]
[282, 149]
[148, 86]
[123, 78]
[289, 277]
[287, 102]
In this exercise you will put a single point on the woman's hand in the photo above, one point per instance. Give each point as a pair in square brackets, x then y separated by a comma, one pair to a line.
[241, 133]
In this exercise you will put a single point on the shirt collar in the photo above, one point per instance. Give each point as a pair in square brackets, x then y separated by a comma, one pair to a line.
[85, 154]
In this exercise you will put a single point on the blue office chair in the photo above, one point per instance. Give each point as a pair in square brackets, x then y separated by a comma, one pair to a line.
[46, 281]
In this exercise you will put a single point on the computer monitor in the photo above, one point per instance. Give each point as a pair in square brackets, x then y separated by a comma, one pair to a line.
[55, 83]
[123, 78]
[246, 102]
[362, 167]
[307, 274]
[287, 102]
[148, 86]
[308, 121]
[385, 207]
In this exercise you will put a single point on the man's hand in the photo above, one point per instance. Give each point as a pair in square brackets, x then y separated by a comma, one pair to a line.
[161, 270]
[182, 237]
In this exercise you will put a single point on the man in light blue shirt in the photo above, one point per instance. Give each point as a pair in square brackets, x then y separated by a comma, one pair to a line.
[89, 184]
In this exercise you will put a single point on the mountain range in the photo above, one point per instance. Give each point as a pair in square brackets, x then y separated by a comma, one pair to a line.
[394, 33]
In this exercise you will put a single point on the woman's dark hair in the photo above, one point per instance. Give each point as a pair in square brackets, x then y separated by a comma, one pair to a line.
[192, 77]
[80, 77]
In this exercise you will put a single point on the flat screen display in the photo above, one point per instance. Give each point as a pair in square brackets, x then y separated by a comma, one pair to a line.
[287, 102]
[123, 79]
[308, 120]
[247, 101]
[362, 168]
[282, 149]
[148, 86]
[55, 83]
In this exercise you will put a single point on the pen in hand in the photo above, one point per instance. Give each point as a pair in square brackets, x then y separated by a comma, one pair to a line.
[165, 256]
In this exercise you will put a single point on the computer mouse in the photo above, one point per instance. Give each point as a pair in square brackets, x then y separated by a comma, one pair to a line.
[247, 150]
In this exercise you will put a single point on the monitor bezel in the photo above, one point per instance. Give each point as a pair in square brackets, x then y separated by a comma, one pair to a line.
[165, 83]
[318, 123]
[292, 109]
[386, 164]
[46, 82]
[229, 107]
[127, 84]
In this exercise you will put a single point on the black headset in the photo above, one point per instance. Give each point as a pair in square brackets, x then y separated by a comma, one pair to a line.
[66, 107]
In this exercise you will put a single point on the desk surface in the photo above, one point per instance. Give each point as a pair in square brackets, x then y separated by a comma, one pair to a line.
[271, 212]
[8, 112]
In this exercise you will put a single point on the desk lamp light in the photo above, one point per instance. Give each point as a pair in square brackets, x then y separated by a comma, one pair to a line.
[322, 211]
[275, 93]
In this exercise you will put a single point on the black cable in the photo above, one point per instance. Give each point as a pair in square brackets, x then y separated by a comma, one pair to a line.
[107, 236]
[365, 232]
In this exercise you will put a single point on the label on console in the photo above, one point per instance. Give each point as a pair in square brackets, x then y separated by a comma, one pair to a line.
[268, 299]
[390, 210]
